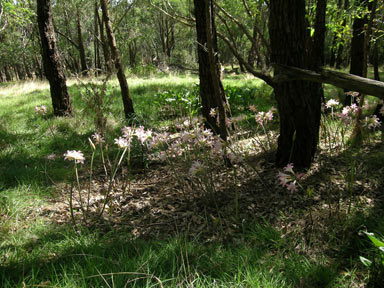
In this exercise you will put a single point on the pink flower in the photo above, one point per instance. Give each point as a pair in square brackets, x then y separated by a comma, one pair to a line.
[332, 103]
[76, 156]
[196, 168]
[51, 157]
[252, 108]
[122, 142]
[292, 186]
[260, 118]
[143, 135]
[382, 111]
[284, 179]
[127, 132]
[212, 113]
[372, 122]
[289, 168]
[269, 115]
[97, 138]
[41, 109]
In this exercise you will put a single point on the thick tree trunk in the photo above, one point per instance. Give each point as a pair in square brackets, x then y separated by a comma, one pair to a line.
[127, 101]
[299, 107]
[211, 89]
[83, 59]
[52, 68]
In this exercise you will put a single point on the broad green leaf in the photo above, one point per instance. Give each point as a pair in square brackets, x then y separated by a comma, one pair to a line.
[374, 240]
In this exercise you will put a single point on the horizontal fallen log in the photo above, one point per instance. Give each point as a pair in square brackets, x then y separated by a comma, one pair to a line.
[346, 81]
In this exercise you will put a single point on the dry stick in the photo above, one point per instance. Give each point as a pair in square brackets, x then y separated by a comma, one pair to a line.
[128, 273]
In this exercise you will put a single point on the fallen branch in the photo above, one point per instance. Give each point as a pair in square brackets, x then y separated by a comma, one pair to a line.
[342, 80]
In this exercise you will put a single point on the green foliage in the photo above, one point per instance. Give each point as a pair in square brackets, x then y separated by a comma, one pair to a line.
[376, 264]
[178, 102]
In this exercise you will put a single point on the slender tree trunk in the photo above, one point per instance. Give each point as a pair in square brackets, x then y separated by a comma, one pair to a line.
[38, 69]
[253, 51]
[127, 101]
[211, 89]
[52, 68]
[340, 49]
[375, 61]
[96, 42]
[104, 41]
[8, 75]
[83, 59]
[299, 107]
[332, 58]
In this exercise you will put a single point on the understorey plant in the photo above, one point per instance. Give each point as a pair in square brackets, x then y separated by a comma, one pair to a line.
[110, 168]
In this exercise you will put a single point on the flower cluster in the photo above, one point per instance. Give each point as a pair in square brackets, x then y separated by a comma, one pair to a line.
[263, 118]
[41, 109]
[372, 122]
[289, 179]
[196, 168]
[74, 155]
[348, 112]
[332, 103]
[129, 132]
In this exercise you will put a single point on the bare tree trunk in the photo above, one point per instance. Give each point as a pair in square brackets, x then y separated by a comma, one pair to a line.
[339, 57]
[96, 42]
[83, 59]
[127, 101]
[104, 41]
[211, 89]
[52, 68]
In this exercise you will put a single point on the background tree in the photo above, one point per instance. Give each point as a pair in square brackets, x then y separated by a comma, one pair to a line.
[127, 101]
[52, 67]
[211, 89]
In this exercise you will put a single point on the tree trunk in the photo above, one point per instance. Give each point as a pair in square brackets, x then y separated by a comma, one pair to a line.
[299, 107]
[106, 51]
[357, 130]
[211, 89]
[127, 101]
[83, 59]
[8, 75]
[375, 60]
[332, 58]
[39, 69]
[96, 42]
[52, 68]
[340, 49]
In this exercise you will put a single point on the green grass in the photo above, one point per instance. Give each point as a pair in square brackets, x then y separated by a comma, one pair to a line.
[33, 251]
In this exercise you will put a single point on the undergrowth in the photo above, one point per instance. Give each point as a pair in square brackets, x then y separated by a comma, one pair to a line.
[288, 251]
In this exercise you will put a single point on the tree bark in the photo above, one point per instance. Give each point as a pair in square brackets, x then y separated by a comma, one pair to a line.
[106, 51]
[299, 107]
[340, 49]
[60, 98]
[96, 42]
[211, 89]
[127, 101]
[83, 60]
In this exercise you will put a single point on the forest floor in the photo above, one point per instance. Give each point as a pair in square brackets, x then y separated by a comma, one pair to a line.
[162, 226]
